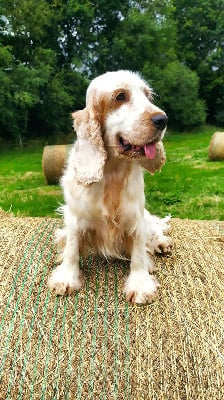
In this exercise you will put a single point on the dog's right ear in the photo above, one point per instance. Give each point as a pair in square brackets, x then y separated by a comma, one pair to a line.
[90, 155]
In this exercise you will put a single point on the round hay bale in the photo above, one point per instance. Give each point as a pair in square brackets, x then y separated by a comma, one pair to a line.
[93, 344]
[53, 162]
[216, 147]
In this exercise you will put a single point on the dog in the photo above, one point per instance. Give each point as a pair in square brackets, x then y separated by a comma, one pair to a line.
[119, 135]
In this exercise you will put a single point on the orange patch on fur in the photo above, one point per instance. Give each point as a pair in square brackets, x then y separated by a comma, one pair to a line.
[105, 104]
[115, 180]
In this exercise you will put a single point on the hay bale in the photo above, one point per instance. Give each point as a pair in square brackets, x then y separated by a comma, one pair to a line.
[3, 214]
[216, 147]
[93, 344]
[54, 161]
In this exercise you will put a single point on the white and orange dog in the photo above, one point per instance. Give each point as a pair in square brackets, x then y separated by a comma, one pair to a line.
[119, 135]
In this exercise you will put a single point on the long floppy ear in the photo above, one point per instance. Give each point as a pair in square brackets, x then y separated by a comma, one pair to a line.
[90, 154]
[156, 163]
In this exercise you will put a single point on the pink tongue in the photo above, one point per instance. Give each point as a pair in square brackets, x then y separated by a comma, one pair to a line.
[150, 150]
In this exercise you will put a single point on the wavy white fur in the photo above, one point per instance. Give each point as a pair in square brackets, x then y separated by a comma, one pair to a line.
[119, 135]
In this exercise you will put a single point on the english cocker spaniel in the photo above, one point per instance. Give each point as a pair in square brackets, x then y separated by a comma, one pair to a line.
[119, 134]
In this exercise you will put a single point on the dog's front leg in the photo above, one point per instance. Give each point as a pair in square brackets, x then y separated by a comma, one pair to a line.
[140, 287]
[66, 277]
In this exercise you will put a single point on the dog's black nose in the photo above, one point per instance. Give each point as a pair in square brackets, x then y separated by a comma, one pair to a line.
[160, 121]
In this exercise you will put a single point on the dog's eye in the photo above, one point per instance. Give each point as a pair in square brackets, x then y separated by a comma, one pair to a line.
[121, 96]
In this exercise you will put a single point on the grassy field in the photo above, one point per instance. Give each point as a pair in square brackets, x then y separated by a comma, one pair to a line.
[189, 186]
[22, 186]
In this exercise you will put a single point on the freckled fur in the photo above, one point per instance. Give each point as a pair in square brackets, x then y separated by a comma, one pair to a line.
[104, 188]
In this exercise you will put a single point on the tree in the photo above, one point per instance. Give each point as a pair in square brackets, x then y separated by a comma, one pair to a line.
[179, 87]
[200, 27]
[144, 38]
[34, 67]
[49, 49]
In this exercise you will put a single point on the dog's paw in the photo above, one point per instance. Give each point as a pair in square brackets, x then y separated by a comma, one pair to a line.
[140, 287]
[162, 245]
[63, 281]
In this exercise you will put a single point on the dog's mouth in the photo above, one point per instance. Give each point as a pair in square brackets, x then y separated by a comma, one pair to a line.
[148, 150]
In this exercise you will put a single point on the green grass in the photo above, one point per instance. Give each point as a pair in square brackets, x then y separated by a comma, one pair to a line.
[189, 186]
[23, 190]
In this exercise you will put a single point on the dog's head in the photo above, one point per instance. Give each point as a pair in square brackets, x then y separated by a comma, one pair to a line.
[120, 120]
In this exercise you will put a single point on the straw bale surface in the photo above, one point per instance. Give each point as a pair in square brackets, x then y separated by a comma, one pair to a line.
[94, 345]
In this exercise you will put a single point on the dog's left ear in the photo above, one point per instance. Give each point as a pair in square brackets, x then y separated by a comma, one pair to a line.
[90, 155]
[157, 162]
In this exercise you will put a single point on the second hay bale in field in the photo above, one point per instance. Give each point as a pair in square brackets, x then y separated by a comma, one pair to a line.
[54, 161]
[216, 147]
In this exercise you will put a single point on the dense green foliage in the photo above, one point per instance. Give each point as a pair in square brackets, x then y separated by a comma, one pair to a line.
[201, 46]
[49, 49]
[189, 186]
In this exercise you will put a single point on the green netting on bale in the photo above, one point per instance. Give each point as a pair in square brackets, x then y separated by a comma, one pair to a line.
[93, 344]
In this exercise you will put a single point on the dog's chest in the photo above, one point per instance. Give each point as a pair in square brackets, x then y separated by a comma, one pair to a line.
[119, 195]
[114, 190]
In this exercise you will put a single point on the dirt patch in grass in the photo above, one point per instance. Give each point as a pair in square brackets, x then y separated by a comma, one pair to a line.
[30, 175]
[206, 165]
